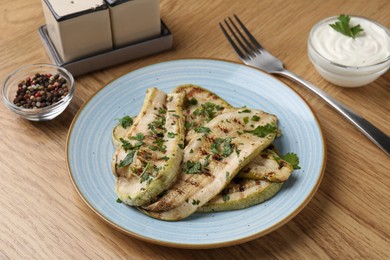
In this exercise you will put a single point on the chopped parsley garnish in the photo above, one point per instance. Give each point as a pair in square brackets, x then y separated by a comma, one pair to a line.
[206, 110]
[171, 135]
[215, 145]
[126, 144]
[162, 111]
[202, 129]
[127, 160]
[188, 125]
[292, 159]
[153, 148]
[263, 131]
[255, 118]
[160, 144]
[165, 158]
[125, 121]
[195, 202]
[118, 200]
[218, 107]
[246, 120]
[245, 111]
[225, 197]
[159, 122]
[139, 137]
[223, 147]
[181, 146]
[227, 175]
[206, 161]
[192, 167]
[192, 102]
[144, 176]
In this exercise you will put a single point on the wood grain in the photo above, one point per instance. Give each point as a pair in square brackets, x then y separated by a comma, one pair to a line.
[43, 217]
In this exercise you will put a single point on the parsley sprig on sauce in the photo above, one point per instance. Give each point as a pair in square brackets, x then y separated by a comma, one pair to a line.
[342, 26]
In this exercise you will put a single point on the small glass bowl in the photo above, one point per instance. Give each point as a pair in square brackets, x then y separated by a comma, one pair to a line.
[10, 88]
[341, 75]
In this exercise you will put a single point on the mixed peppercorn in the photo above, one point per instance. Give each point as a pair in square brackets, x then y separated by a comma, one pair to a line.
[41, 91]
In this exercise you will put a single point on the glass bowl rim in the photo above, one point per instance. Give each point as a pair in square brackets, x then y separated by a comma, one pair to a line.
[43, 109]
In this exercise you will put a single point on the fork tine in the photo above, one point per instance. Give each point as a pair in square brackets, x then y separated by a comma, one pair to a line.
[250, 46]
[243, 47]
[232, 43]
[250, 36]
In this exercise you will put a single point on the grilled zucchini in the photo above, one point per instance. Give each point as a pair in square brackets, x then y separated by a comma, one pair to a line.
[240, 194]
[148, 159]
[212, 159]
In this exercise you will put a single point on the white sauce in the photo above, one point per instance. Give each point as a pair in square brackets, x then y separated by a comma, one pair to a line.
[369, 47]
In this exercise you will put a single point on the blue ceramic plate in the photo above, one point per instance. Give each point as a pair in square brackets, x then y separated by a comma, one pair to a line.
[89, 152]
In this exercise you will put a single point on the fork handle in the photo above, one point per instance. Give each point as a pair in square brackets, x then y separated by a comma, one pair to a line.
[372, 132]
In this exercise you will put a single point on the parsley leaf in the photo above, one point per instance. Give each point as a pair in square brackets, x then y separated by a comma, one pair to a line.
[206, 110]
[171, 135]
[188, 125]
[225, 197]
[202, 129]
[125, 121]
[342, 26]
[192, 102]
[227, 147]
[139, 137]
[127, 160]
[263, 131]
[192, 167]
[255, 118]
[292, 159]
[222, 146]
[245, 111]
[206, 161]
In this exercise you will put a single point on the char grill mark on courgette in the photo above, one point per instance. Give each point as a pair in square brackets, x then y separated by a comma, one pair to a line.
[213, 162]
[149, 157]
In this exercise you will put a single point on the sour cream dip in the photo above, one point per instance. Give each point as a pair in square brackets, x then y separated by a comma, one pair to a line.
[369, 47]
[347, 61]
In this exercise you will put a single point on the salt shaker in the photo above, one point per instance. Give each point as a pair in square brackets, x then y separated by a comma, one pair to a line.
[78, 28]
[133, 21]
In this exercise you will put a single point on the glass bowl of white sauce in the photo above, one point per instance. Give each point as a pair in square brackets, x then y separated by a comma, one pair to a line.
[347, 61]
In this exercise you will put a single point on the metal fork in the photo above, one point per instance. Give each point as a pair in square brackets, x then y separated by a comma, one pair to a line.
[253, 54]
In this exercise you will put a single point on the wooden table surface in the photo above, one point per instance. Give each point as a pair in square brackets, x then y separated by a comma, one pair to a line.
[42, 215]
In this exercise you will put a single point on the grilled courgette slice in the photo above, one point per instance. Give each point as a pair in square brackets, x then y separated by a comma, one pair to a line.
[148, 159]
[212, 159]
[240, 194]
